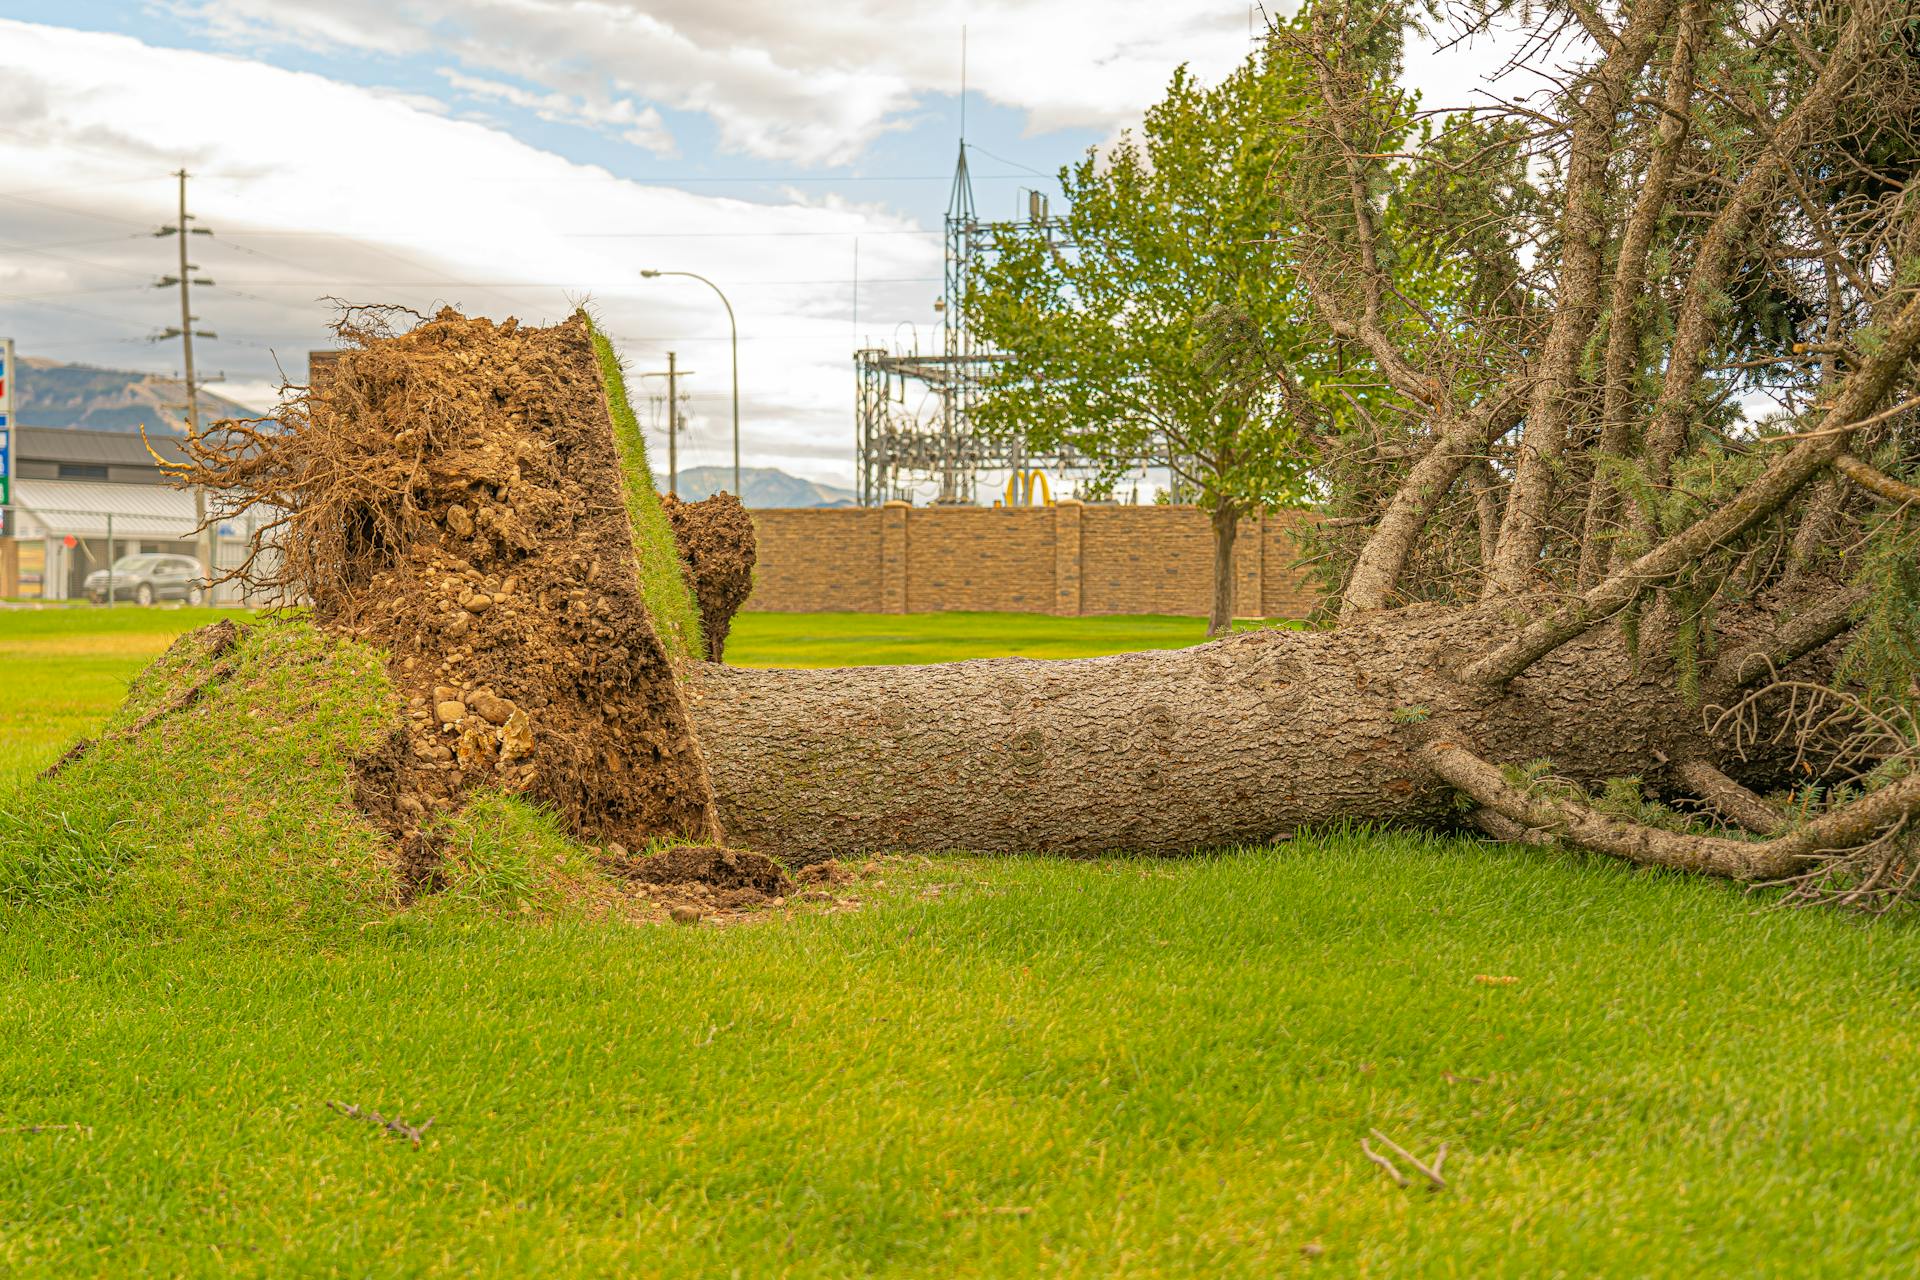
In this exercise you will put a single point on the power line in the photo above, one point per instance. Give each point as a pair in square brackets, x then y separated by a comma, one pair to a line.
[80, 311]
[68, 293]
[67, 257]
[81, 244]
[376, 247]
[70, 210]
[742, 235]
[542, 284]
[367, 237]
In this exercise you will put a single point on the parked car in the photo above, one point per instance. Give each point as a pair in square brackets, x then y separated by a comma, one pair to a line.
[147, 577]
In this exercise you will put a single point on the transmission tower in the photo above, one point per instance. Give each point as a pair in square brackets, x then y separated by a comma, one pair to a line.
[898, 450]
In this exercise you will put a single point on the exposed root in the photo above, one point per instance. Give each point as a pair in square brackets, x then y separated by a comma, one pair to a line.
[394, 1125]
[1431, 1172]
[73, 753]
[1729, 799]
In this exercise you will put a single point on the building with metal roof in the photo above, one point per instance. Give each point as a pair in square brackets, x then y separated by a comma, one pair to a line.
[83, 499]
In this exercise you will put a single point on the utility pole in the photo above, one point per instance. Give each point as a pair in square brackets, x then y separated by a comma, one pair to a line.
[673, 423]
[673, 375]
[187, 333]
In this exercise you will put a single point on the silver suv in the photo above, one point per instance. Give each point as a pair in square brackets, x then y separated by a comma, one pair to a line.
[148, 577]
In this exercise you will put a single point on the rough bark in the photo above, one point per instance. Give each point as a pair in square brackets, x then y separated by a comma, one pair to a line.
[1226, 529]
[1240, 740]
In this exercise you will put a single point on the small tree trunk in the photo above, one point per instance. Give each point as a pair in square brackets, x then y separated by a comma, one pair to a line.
[1226, 528]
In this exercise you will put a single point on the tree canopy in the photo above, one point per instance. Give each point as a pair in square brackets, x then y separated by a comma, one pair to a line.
[1144, 323]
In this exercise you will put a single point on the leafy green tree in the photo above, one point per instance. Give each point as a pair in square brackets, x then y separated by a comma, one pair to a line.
[1157, 321]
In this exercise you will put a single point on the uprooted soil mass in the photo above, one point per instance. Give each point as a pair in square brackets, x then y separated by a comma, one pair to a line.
[453, 495]
[715, 540]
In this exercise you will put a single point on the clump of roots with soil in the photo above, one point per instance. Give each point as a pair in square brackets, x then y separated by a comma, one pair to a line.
[453, 495]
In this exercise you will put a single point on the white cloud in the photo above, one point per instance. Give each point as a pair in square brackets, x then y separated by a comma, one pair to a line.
[640, 126]
[805, 83]
[318, 188]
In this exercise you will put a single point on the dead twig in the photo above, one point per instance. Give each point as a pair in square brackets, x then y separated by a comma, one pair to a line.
[992, 1211]
[1399, 1178]
[396, 1126]
[1430, 1172]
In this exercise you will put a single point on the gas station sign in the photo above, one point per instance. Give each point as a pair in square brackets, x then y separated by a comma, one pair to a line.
[6, 422]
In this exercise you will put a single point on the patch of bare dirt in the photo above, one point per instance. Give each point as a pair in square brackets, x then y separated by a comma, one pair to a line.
[704, 884]
[715, 539]
[711, 865]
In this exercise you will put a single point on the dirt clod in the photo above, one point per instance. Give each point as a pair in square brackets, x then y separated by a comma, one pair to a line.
[715, 539]
[710, 865]
[825, 873]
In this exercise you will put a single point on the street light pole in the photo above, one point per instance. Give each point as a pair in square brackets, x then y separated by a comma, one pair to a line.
[735, 329]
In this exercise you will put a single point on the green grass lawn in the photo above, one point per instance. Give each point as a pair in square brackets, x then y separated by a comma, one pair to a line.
[880, 639]
[997, 1067]
[64, 669]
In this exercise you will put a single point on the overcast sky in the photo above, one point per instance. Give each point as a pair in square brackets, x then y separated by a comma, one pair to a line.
[516, 157]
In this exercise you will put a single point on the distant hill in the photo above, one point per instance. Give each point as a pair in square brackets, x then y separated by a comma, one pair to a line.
[765, 487]
[51, 394]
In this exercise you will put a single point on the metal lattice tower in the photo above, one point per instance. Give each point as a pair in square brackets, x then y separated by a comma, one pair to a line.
[898, 450]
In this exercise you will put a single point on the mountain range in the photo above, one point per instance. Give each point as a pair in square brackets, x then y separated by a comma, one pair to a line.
[47, 393]
[764, 487]
[81, 397]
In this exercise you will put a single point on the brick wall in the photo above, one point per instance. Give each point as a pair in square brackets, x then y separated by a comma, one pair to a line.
[1063, 559]
[824, 558]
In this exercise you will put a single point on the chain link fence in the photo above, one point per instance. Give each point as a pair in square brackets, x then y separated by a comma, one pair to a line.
[54, 551]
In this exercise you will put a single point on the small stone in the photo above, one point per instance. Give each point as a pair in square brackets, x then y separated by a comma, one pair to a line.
[478, 602]
[685, 915]
[516, 738]
[450, 711]
[508, 587]
[459, 521]
[458, 624]
[443, 693]
[492, 709]
[616, 849]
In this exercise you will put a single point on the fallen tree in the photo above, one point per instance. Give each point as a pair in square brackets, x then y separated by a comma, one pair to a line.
[1578, 597]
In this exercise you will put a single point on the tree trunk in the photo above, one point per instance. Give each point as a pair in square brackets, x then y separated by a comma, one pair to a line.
[1240, 740]
[1226, 527]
